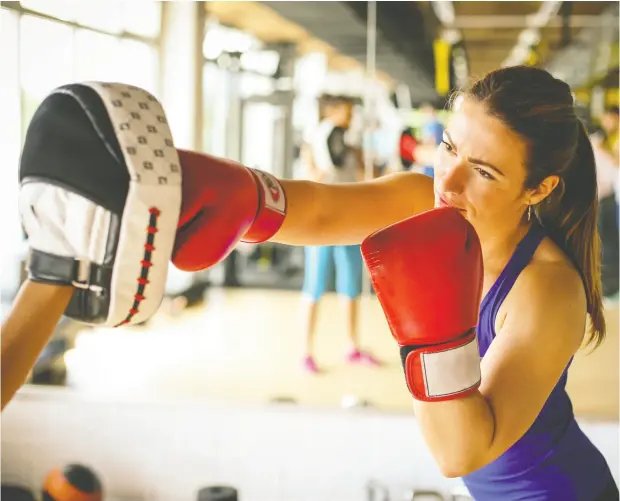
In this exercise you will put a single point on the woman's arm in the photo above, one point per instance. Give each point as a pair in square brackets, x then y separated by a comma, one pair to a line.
[543, 329]
[27, 329]
[343, 214]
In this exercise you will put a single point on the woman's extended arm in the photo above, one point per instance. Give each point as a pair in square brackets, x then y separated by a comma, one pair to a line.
[343, 214]
[27, 329]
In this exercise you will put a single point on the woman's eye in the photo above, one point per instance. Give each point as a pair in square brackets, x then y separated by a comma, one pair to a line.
[484, 174]
[447, 146]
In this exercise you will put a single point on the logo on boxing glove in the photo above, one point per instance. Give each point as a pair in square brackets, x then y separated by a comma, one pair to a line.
[274, 197]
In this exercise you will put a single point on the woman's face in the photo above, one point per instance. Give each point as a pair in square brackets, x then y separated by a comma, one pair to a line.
[480, 169]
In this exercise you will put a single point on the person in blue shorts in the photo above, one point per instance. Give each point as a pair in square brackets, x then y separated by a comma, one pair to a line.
[330, 155]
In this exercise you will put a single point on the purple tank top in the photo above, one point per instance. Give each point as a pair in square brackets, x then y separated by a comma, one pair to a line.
[554, 460]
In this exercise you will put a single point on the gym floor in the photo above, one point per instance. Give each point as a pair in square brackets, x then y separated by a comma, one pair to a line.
[246, 346]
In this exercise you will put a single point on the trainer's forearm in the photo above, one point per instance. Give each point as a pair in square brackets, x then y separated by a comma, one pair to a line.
[458, 432]
[27, 329]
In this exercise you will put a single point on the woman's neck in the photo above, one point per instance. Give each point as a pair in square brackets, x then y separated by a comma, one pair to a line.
[499, 248]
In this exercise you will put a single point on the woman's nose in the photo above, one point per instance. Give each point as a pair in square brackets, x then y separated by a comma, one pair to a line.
[453, 177]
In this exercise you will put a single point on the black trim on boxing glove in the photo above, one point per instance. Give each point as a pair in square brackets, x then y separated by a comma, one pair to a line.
[91, 303]
[404, 352]
[51, 269]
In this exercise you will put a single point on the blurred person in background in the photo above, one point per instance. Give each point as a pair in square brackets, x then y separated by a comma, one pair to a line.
[330, 155]
[605, 147]
[431, 133]
[382, 147]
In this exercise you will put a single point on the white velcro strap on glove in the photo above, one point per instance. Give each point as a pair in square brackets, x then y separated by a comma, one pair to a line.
[63, 223]
[444, 372]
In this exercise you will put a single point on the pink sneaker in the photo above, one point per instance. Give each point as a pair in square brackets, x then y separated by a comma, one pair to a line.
[310, 365]
[363, 357]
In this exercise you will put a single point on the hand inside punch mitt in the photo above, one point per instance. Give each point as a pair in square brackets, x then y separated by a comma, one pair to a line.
[103, 191]
[427, 272]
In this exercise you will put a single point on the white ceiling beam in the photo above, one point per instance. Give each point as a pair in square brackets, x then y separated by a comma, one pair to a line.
[531, 34]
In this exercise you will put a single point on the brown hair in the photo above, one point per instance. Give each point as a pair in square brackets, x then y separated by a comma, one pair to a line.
[540, 109]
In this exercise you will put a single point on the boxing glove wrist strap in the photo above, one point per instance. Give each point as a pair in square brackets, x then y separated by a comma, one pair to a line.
[51, 269]
[442, 372]
[271, 208]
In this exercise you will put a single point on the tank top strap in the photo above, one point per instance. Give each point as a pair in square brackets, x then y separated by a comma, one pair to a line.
[518, 261]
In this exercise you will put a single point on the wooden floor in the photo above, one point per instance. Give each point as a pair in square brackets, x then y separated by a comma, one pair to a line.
[246, 345]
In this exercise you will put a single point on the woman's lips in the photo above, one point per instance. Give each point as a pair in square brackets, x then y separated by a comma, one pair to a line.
[444, 203]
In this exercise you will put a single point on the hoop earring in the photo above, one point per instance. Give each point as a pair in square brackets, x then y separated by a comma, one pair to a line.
[529, 213]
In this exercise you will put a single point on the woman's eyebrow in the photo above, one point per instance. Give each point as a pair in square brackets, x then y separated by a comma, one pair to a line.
[475, 160]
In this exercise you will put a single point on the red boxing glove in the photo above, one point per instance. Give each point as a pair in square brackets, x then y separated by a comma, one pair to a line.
[408, 145]
[223, 203]
[427, 272]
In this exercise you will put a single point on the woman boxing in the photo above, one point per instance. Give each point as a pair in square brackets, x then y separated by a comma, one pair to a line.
[517, 164]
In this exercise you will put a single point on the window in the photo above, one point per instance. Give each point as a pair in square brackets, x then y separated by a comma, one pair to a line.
[46, 60]
[106, 16]
[139, 64]
[60, 9]
[59, 42]
[259, 127]
[138, 17]
[215, 104]
[142, 18]
[53, 53]
[10, 140]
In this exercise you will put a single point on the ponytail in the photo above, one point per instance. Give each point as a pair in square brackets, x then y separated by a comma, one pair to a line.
[570, 214]
[540, 109]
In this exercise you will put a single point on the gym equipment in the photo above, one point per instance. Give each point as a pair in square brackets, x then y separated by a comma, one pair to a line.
[407, 145]
[354, 402]
[376, 491]
[117, 268]
[423, 495]
[264, 266]
[218, 493]
[50, 368]
[9, 492]
[74, 482]
[283, 400]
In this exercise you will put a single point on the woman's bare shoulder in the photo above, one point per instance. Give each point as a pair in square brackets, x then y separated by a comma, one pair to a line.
[551, 263]
[548, 252]
[551, 285]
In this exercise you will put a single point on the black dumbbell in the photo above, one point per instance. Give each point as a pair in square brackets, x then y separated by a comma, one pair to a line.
[424, 495]
[218, 493]
[10, 492]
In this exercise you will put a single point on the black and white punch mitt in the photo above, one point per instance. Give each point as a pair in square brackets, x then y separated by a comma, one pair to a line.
[100, 197]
